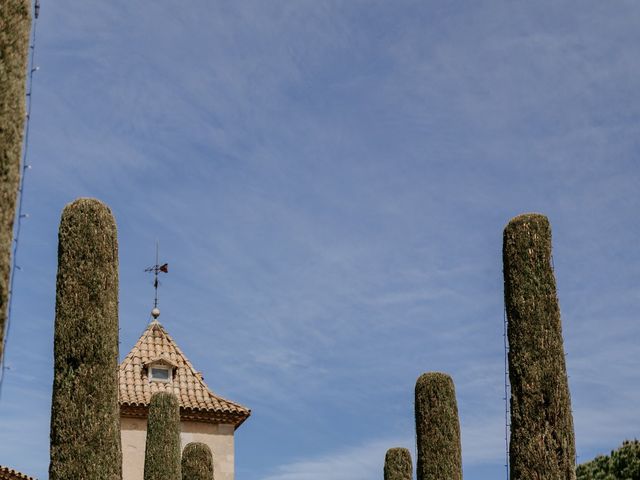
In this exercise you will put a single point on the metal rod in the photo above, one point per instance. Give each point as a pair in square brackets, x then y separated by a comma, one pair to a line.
[506, 395]
[155, 271]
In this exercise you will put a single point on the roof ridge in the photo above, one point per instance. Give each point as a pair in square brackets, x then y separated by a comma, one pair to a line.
[196, 373]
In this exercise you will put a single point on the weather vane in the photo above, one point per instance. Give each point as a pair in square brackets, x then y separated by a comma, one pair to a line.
[155, 269]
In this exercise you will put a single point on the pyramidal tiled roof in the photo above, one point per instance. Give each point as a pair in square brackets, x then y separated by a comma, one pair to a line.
[196, 400]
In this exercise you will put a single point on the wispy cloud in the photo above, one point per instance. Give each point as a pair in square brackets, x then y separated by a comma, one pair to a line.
[361, 462]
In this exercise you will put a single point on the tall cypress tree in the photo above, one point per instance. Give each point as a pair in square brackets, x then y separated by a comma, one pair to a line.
[542, 438]
[162, 451]
[85, 417]
[397, 464]
[437, 428]
[197, 462]
[15, 23]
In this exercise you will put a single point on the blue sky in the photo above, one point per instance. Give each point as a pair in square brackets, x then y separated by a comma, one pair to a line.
[329, 182]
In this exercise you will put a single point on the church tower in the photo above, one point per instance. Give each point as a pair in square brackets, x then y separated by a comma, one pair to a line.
[156, 363]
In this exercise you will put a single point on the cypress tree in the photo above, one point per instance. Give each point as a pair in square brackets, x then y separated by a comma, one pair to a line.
[437, 428]
[542, 439]
[397, 464]
[162, 451]
[197, 462]
[15, 24]
[85, 420]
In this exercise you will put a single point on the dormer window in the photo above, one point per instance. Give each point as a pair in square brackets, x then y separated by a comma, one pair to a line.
[160, 369]
[160, 373]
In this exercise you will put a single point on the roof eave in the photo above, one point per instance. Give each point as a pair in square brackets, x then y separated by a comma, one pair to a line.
[140, 410]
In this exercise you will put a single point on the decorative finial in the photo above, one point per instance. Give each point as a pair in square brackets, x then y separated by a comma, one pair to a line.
[155, 269]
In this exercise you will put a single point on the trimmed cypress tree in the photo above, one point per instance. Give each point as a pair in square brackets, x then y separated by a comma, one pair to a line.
[162, 451]
[197, 462]
[542, 439]
[397, 464]
[15, 24]
[437, 428]
[85, 416]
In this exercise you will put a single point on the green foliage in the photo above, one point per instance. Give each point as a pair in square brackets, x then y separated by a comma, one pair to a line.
[197, 462]
[542, 438]
[437, 428]
[397, 464]
[162, 451]
[15, 25]
[622, 464]
[85, 416]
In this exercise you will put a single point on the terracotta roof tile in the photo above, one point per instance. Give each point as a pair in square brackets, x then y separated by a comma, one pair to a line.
[7, 473]
[193, 394]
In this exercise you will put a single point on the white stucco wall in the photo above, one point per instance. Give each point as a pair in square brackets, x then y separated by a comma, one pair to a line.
[218, 437]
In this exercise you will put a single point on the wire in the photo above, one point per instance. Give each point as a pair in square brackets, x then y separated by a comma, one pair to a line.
[20, 215]
[506, 395]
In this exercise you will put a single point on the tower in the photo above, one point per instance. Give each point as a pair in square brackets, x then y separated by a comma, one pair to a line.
[156, 363]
